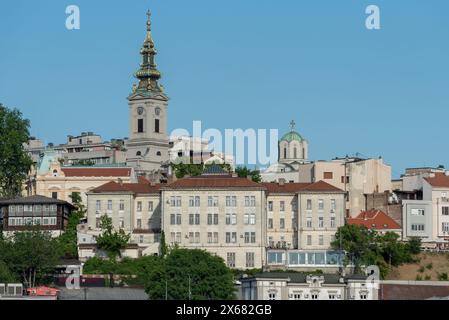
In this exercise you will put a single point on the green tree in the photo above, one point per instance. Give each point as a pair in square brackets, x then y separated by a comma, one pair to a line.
[244, 172]
[392, 250]
[359, 243]
[6, 276]
[163, 245]
[15, 163]
[68, 240]
[194, 274]
[30, 255]
[111, 240]
[414, 245]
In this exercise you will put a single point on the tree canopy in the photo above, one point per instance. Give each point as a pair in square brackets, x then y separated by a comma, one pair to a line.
[15, 163]
[111, 240]
[244, 172]
[190, 274]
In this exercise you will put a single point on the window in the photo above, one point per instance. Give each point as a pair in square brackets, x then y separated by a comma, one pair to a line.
[212, 201]
[139, 206]
[272, 296]
[27, 208]
[252, 237]
[175, 201]
[282, 206]
[343, 179]
[246, 201]
[309, 240]
[270, 223]
[285, 153]
[445, 227]
[321, 240]
[231, 237]
[314, 296]
[320, 204]
[175, 219]
[253, 201]
[320, 222]
[333, 205]
[328, 175]
[150, 206]
[250, 259]
[445, 211]
[212, 218]
[332, 222]
[252, 218]
[194, 219]
[230, 259]
[98, 205]
[139, 223]
[55, 173]
[332, 296]
[138, 153]
[139, 125]
[363, 296]
[418, 212]
[122, 223]
[156, 125]
[270, 205]
[231, 218]
[309, 204]
[417, 227]
[122, 205]
[282, 223]
[109, 205]
[54, 195]
[97, 223]
[309, 222]
[141, 238]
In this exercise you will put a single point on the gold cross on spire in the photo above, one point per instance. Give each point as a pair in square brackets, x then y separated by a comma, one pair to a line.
[149, 20]
[292, 125]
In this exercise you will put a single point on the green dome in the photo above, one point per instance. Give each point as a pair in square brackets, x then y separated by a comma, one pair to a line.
[291, 136]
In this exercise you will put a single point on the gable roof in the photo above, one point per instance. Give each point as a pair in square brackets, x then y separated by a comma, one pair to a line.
[214, 181]
[113, 186]
[294, 187]
[440, 180]
[36, 199]
[96, 172]
[374, 219]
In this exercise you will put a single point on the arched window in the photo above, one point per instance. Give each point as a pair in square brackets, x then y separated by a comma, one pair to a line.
[285, 153]
[138, 153]
[55, 173]
[158, 153]
[295, 152]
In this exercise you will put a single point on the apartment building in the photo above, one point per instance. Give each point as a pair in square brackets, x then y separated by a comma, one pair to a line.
[133, 207]
[47, 213]
[220, 213]
[299, 286]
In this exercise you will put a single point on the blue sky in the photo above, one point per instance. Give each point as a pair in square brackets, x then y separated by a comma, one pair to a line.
[240, 64]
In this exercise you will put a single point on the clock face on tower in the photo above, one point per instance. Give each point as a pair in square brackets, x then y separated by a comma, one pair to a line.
[139, 110]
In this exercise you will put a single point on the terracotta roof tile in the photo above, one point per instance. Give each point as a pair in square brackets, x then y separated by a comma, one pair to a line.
[97, 172]
[213, 181]
[439, 181]
[374, 219]
[290, 187]
[113, 186]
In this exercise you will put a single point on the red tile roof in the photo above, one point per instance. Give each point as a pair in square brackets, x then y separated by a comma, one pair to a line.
[97, 172]
[374, 219]
[113, 186]
[213, 181]
[290, 187]
[440, 180]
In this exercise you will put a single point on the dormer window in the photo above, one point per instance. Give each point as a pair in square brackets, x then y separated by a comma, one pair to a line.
[55, 173]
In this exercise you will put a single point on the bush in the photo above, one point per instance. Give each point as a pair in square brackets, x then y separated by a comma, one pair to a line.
[418, 277]
[421, 269]
[429, 266]
[443, 276]
[427, 277]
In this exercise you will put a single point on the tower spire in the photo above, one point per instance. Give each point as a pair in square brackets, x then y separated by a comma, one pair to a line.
[148, 74]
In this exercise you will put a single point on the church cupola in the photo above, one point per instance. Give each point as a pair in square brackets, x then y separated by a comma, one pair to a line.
[293, 148]
[148, 74]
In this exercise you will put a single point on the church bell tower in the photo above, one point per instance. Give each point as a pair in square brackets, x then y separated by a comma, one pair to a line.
[148, 142]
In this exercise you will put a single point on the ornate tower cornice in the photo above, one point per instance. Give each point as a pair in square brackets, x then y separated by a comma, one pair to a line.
[148, 74]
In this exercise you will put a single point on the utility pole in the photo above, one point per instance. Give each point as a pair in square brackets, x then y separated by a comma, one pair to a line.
[166, 290]
[190, 292]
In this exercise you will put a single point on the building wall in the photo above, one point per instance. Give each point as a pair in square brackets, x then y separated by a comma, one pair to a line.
[327, 232]
[277, 236]
[409, 218]
[222, 249]
[440, 199]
